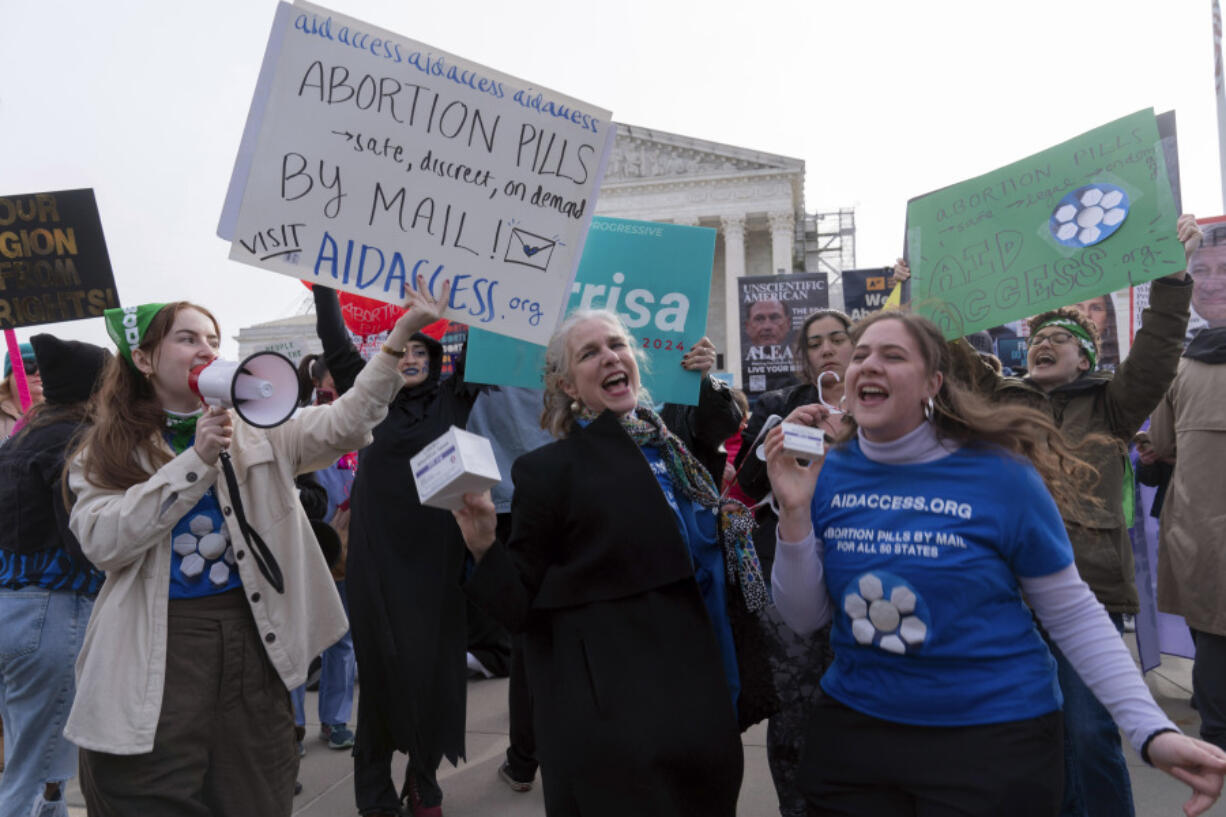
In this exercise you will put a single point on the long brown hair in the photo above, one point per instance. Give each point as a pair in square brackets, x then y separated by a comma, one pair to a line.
[128, 418]
[972, 419]
[45, 414]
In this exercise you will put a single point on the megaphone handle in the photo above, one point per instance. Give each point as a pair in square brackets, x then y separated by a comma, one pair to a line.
[264, 560]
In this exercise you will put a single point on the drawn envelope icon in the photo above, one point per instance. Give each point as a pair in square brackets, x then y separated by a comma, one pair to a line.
[874, 283]
[529, 249]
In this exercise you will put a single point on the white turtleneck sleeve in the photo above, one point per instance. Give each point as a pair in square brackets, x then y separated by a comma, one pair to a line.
[799, 584]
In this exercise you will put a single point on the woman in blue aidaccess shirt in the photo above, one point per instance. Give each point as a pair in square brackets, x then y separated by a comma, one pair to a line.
[918, 538]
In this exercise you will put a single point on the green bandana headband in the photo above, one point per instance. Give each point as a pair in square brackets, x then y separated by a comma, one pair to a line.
[127, 326]
[1076, 330]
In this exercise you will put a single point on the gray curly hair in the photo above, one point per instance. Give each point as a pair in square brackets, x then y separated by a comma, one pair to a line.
[558, 416]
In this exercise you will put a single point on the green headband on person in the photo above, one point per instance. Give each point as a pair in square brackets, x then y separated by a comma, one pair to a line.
[1076, 330]
[127, 326]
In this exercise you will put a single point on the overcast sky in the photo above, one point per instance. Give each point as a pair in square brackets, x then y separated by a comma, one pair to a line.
[145, 102]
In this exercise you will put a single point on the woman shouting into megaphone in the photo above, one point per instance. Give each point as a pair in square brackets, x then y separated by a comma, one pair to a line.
[182, 704]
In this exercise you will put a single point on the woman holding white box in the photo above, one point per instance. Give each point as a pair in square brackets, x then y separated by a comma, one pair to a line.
[620, 571]
[404, 569]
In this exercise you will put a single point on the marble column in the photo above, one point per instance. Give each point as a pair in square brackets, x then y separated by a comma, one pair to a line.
[783, 230]
[733, 230]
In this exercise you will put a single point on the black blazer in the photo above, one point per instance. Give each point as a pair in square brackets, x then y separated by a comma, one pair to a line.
[619, 654]
[589, 523]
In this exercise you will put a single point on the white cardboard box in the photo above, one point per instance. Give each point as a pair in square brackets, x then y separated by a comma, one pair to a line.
[457, 463]
[803, 442]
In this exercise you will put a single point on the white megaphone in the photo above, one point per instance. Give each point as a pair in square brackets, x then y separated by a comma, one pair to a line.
[262, 390]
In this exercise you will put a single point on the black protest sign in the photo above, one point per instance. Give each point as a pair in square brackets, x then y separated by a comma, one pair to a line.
[865, 290]
[53, 260]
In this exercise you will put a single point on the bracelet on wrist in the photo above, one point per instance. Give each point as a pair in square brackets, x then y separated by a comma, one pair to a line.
[390, 351]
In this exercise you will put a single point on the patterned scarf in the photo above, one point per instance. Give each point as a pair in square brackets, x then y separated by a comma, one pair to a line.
[690, 478]
[181, 430]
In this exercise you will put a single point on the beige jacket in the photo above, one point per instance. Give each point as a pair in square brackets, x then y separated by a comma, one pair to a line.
[1190, 423]
[122, 665]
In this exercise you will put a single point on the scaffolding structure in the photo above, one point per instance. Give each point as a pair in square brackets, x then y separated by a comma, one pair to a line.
[827, 242]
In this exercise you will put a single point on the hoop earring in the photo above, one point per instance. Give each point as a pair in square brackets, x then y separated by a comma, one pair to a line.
[929, 410]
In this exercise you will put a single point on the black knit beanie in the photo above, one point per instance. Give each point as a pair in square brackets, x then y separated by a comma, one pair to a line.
[70, 368]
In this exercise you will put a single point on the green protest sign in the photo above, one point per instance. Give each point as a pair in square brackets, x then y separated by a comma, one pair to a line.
[1088, 216]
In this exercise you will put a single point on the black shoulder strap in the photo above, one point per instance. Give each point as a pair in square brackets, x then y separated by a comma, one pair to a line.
[264, 559]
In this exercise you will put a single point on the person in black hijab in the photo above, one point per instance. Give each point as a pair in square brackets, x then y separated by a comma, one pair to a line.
[404, 569]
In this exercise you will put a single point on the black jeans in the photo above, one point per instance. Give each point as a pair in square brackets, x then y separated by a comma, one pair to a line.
[856, 765]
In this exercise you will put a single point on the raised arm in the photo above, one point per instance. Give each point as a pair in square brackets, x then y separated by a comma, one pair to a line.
[343, 360]
[716, 417]
[1147, 372]
[318, 435]
[901, 276]
[798, 577]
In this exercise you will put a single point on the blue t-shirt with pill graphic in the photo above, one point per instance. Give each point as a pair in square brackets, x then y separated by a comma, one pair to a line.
[921, 564]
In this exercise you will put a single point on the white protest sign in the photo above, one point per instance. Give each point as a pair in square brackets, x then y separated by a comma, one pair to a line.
[292, 348]
[380, 159]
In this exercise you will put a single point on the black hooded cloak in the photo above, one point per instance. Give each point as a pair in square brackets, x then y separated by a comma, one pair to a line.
[405, 565]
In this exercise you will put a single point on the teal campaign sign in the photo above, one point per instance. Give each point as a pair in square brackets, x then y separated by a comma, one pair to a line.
[656, 276]
[1088, 216]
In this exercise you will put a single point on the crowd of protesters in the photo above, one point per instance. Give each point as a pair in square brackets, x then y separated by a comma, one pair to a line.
[929, 613]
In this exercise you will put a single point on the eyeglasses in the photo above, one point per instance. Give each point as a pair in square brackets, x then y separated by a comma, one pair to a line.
[837, 338]
[1056, 338]
[30, 368]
